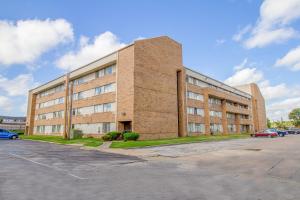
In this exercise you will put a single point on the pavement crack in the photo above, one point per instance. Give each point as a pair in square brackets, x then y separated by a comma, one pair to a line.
[275, 165]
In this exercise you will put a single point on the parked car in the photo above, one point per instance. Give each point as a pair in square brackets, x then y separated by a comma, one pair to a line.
[293, 131]
[279, 132]
[265, 133]
[5, 134]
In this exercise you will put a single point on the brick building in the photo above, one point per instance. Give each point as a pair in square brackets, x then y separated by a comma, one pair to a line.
[143, 87]
[12, 123]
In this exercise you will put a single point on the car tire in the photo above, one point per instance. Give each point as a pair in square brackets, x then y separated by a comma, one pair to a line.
[14, 137]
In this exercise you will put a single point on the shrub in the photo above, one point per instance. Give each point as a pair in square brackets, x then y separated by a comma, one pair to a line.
[19, 132]
[130, 136]
[113, 135]
[77, 134]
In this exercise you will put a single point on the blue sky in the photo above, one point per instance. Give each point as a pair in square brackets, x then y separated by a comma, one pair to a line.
[236, 41]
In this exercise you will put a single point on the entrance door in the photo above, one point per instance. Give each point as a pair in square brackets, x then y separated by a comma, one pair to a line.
[127, 126]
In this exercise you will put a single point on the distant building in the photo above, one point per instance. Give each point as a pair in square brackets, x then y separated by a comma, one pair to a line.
[12, 123]
[143, 87]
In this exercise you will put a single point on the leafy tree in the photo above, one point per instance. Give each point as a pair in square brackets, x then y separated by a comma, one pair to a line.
[1, 120]
[295, 116]
[269, 124]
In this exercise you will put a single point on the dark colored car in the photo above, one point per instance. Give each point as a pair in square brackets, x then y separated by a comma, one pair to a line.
[279, 132]
[265, 133]
[293, 131]
[5, 134]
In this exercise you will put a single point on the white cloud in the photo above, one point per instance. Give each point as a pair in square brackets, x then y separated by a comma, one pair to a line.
[245, 76]
[102, 45]
[282, 108]
[220, 41]
[17, 86]
[273, 25]
[291, 60]
[261, 38]
[5, 104]
[26, 40]
[240, 34]
[280, 98]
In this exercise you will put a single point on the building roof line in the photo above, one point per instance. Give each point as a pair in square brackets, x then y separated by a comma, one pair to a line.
[217, 81]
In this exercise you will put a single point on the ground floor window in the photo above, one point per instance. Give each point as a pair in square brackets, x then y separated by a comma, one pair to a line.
[96, 128]
[231, 128]
[216, 128]
[196, 128]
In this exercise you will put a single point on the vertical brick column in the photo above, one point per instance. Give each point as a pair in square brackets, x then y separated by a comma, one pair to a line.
[66, 128]
[30, 113]
[206, 113]
[237, 123]
[224, 117]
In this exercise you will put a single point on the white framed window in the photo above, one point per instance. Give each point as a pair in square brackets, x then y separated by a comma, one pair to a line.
[214, 113]
[195, 96]
[196, 128]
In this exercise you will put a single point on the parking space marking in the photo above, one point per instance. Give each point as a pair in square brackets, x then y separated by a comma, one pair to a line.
[48, 166]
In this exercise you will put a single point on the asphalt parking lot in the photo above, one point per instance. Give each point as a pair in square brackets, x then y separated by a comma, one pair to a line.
[246, 169]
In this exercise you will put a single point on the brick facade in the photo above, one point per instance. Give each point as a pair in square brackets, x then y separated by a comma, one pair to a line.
[148, 95]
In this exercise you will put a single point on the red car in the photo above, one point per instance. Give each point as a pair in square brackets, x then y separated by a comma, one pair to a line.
[265, 133]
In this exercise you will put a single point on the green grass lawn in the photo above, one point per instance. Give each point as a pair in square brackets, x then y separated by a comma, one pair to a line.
[90, 142]
[182, 140]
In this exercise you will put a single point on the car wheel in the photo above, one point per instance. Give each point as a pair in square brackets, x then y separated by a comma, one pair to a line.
[14, 137]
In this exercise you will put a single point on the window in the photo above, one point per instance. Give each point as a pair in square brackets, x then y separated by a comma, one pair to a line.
[106, 71]
[56, 128]
[214, 101]
[231, 128]
[105, 127]
[61, 100]
[98, 108]
[107, 107]
[230, 116]
[105, 89]
[58, 114]
[98, 90]
[195, 96]
[214, 113]
[40, 129]
[195, 111]
[216, 128]
[196, 128]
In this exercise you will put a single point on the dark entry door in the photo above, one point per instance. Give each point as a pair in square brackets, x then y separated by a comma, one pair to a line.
[127, 126]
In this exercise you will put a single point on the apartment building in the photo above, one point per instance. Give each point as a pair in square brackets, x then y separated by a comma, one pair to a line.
[145, 88]
[12, 123]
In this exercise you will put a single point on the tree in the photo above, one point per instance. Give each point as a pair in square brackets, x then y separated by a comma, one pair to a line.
[1, 120]
[295, 116]
[269, 124]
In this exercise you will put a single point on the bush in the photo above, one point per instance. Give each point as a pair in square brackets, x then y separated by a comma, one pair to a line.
[130, 136]
[114, 135]
[77, 134]
[19, 132]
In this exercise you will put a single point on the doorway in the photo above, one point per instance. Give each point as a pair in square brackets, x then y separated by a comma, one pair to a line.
[126, 126]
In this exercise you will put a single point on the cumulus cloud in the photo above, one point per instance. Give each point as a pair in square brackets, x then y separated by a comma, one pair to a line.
[102, 45]
[280, 98]
[25, 40]
[245, 76]
[17, 86]
[273, 25]
[282, 108]
[240, 34]
[291, 60]
[5, 104]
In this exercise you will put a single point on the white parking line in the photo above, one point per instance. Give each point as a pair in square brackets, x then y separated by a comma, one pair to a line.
[48, 166]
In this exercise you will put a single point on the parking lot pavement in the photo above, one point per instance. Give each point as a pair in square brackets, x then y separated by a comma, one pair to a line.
[237, 169]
